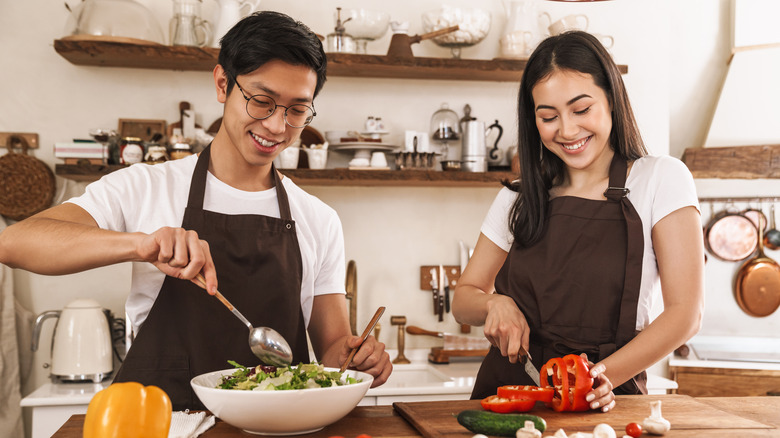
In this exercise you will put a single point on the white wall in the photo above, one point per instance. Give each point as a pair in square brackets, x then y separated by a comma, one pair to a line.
[673, 51]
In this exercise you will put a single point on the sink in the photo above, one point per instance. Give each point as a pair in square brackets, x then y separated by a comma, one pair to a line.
[416, 375]
[740, 349]
[418, 378]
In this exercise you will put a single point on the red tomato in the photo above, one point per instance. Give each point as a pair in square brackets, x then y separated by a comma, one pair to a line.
[634, 430]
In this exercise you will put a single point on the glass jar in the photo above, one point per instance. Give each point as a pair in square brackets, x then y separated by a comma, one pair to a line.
[444, 124]
[156, 154]
[180, 150]
[131, 151]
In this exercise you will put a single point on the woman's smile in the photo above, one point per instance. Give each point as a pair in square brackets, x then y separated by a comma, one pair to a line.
[577, 146]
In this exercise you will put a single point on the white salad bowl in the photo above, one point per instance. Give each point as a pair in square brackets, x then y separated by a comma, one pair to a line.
[285, 412]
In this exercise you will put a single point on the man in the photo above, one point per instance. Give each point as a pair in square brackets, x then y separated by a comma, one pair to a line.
[277, 252]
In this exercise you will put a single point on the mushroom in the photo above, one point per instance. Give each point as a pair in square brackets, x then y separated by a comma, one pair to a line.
[528, 431]
[656, 424]
[604, 430]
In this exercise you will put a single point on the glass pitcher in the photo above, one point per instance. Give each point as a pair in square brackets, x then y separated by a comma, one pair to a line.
[524, 28]
[186, 26]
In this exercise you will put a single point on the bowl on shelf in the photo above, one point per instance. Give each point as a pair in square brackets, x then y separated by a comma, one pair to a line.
[114, 20]
[474, 25]
[286, 412]
[365, 25]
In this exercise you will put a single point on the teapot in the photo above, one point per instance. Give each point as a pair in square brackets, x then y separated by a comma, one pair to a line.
[229, 13]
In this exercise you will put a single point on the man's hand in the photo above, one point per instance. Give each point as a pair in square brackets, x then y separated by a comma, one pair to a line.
[179, 253]
[371, 358]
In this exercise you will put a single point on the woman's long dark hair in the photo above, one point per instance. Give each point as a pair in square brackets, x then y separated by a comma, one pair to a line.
[579, 52]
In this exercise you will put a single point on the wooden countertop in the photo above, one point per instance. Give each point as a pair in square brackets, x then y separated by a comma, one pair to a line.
[710, 417]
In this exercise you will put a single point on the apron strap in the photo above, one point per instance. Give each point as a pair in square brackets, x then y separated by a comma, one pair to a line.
[617, 192]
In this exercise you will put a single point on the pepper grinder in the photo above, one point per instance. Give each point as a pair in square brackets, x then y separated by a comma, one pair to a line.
[400, 321]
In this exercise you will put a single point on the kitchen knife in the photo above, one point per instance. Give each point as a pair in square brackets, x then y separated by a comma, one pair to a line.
[446, 282]
[532, 372]
[435, 290]
[442, 288]
[453, 342]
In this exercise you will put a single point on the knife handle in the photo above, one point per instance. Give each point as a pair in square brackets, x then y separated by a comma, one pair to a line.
[447, 299]
[435, 301]
[414, 330]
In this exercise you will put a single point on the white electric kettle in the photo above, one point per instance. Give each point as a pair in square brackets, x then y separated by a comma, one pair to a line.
[81, 343]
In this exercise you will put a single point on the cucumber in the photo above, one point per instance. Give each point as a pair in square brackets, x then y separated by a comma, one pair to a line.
[491, 423]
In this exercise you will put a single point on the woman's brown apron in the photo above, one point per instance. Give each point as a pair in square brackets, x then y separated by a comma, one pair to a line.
[578, 287]
[189, 332]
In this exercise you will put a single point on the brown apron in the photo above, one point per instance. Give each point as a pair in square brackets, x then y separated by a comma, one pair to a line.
[578, 287]
[189, 332]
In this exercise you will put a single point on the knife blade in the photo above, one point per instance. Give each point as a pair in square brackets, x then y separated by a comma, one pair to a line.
[532, 372]
[442, 288]
[452, 342]
[446, 283]
[435, 290]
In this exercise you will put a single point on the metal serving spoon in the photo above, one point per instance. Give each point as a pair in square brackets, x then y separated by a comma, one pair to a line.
[266, 343]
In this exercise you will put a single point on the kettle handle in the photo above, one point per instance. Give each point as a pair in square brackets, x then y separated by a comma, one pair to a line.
[36, 334]
[494, 150]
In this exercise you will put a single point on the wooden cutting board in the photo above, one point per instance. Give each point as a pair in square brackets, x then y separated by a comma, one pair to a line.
[438, 419]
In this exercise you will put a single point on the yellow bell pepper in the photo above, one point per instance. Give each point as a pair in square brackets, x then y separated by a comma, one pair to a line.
[128, 410]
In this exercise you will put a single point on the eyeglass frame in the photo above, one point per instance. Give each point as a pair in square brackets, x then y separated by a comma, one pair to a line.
[276, 106]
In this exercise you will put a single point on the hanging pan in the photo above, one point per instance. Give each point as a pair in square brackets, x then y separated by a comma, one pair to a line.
[757, 288]
[757, 216]
[730, 236]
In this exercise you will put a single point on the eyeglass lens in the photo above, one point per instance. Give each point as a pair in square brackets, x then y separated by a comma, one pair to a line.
[262, 107]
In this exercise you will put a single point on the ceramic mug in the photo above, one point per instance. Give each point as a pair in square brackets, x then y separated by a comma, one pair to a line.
[569, 22]
[606, 40]
[378, 159]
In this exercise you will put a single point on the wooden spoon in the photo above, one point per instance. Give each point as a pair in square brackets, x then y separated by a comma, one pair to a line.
[365, 334]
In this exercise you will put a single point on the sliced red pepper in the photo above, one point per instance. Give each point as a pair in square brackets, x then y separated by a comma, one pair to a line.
[578, 370]
[571, 381]
[501, 405]
[526, 392]
[556, 369]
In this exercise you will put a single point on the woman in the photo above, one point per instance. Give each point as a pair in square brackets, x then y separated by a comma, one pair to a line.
[576, 248]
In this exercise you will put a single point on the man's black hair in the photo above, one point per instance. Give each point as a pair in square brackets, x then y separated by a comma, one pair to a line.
[266, 36]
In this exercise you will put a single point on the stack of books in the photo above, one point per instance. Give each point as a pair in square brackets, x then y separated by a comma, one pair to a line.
[78, 150]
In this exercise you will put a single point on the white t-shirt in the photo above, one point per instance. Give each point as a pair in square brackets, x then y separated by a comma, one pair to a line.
[146, 198]
[658, 186]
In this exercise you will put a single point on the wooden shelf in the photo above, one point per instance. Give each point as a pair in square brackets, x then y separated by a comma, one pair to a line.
[746, 162]
[336, 177]
[156, 56]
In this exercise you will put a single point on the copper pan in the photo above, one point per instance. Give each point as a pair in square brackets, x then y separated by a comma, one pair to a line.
[757, 288]
[730, 236]
[756, 216]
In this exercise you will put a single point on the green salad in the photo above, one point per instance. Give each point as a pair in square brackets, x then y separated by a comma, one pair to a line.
[271, 378]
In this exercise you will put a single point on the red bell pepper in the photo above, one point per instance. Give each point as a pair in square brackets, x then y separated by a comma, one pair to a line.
[495, 403]
[526, 392]
[571, 382]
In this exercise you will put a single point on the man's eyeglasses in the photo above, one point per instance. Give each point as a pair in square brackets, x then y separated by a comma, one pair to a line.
[261, 107]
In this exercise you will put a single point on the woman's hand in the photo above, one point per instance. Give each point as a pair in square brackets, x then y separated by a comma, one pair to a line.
[601, 396]
[506, 327]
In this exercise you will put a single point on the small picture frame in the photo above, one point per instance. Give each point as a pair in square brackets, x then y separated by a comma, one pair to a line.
[145, 129]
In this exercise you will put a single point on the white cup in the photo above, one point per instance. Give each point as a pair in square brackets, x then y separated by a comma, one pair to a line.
[288, 158]
[378, 159]
[318, 158]
[569, 22]
[606, 40]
